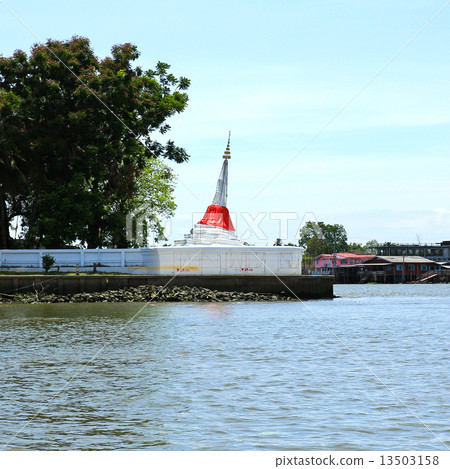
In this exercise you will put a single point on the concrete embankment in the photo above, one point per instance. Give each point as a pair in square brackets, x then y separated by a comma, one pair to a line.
[301, 286]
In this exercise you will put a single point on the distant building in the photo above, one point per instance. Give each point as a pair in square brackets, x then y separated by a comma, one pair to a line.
[325, 262]
[436, 252]
[394, 269]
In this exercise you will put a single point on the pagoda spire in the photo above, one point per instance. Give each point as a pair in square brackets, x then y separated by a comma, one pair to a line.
[217, 213]
[221, 195]
[227, 153]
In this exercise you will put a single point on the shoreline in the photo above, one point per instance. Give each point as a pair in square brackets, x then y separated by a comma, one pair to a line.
[144, 294]
[297, 286]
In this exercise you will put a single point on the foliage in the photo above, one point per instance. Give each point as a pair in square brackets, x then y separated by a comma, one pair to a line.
[354, 247]
[153, 203]
[308, 263]
[319, 238]
[47, 262]
[370, 246]
[71, 167]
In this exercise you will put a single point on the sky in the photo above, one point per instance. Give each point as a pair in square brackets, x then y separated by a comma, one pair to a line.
[338, 111]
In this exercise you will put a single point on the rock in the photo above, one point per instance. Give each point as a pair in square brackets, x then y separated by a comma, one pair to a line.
[147, 293]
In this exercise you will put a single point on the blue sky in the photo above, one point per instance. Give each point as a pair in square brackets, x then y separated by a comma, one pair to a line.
[275, 73]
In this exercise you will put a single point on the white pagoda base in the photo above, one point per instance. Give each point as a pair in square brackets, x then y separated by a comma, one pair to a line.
[207, 235]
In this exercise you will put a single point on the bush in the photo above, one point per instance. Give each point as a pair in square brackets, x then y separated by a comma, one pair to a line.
[47, 262]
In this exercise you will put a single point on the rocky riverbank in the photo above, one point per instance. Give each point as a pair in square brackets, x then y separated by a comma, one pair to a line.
[145, 294]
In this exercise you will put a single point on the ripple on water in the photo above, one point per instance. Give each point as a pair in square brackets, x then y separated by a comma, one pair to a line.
[284, 376]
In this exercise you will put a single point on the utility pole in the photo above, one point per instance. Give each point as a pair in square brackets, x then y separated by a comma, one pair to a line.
[334, 258]
[403, 266]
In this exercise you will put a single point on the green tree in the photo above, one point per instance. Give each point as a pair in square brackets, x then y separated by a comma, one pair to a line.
[152, 203]
[320, 238]
[354, 247]
[370, 246]
[12, 165]
[83, 127]
[47, 262]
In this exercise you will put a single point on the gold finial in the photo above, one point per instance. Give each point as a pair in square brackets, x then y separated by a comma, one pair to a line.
[227, 153]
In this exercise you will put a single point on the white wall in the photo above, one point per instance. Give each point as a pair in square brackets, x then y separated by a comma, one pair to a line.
[180, 260]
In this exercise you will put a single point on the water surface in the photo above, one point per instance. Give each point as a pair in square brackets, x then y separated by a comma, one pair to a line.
[366, 371]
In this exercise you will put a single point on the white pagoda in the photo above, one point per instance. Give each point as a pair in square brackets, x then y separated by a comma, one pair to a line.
[216, 227]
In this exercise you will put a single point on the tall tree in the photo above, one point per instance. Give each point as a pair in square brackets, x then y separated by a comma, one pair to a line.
[12, 165]
[83, 127]
[320, 238]
[153, 203]
[370, 246]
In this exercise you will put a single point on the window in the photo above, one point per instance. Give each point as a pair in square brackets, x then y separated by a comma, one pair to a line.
[423, 267]
[389, 267]
[411, 267]
[399, 267]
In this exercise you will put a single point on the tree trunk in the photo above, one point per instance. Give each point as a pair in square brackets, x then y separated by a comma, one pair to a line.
[4, 224]
[32, 239]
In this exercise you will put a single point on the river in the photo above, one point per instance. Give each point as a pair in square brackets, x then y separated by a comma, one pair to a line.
[366, 371]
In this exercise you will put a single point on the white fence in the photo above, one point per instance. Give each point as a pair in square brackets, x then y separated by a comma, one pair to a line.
[182, 260]
[84, 258]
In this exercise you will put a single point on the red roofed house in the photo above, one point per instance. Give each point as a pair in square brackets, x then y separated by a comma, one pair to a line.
[324, 262]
